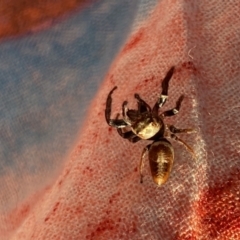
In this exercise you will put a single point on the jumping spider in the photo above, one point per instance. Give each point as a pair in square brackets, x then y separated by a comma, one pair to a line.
[146, 123]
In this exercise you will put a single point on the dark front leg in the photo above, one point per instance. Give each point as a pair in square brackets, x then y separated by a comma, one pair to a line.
[131, 115]
[164, 94]
[117, 123]
[142, 105]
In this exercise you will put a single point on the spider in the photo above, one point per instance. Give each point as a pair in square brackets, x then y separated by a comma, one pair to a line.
[146, 123]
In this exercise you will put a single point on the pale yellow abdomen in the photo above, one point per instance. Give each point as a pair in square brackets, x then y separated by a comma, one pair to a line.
[161, 156]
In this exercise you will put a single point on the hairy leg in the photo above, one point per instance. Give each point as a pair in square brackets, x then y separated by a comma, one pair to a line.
[117, 123]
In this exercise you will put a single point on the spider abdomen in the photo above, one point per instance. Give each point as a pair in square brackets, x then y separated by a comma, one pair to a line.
[161, 156]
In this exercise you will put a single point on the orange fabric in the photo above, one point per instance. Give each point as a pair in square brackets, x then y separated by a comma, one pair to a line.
[24, 16]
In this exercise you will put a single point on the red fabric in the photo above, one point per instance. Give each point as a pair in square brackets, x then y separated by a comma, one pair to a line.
[98, 194]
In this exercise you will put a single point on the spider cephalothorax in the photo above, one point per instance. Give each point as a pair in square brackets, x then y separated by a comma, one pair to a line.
[146, 123]
[146, 126]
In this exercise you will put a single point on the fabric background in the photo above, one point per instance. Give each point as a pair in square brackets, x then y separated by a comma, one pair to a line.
[65, 174]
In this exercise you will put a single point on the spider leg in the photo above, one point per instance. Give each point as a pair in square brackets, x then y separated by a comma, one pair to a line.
[164, 94]
[178, 130]
[132, 137]
[142, 105]
[130, 115]
[190, 150]
[145, 150]
[125, 111]
[175, 110]
[117, 123]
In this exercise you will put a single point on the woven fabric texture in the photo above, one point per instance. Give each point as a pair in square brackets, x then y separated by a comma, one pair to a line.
[97, 195]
